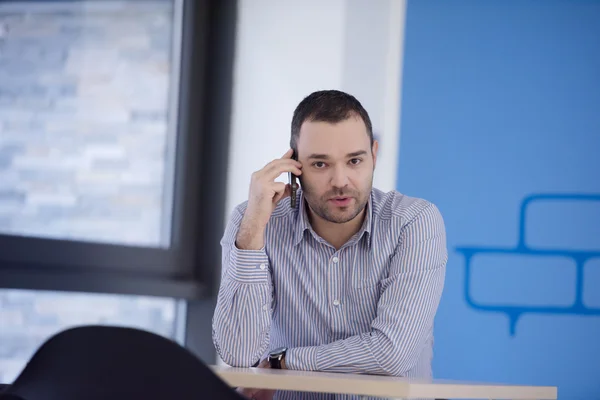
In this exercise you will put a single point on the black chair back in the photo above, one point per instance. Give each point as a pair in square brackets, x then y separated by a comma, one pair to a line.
[115, 363]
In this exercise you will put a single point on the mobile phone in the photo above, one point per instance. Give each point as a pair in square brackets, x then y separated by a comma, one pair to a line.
[293, 184]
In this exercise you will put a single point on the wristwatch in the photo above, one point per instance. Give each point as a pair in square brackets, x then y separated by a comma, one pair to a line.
[276, 356]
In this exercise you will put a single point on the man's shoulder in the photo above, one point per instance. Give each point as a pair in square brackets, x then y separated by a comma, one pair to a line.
[399, 207]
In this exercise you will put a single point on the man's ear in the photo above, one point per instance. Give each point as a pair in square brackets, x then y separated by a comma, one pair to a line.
[374, 149]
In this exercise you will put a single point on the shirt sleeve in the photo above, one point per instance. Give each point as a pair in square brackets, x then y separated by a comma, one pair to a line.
[405, 311]
[242, 317]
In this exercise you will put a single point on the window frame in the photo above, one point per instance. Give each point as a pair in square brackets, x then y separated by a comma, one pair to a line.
[187, 269]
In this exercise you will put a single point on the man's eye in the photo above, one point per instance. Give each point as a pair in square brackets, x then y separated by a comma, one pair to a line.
[319, 164]
[355, 161]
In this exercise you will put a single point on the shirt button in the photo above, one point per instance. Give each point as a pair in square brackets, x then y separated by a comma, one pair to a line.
[263, 266]
[335, 259]
[336, 302]
[265, 307]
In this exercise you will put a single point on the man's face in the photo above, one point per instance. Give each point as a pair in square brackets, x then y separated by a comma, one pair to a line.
[337, 167]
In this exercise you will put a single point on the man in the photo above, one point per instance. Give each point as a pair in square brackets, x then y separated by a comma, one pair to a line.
[349, 280]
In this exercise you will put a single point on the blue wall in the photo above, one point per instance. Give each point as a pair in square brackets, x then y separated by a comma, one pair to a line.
[500, 127]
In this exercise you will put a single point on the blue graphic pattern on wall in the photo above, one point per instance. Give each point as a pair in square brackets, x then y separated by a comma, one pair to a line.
[579, 257]
[500, 128]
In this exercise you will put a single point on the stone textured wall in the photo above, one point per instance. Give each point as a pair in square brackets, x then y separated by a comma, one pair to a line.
[84, 150]
[84, 112]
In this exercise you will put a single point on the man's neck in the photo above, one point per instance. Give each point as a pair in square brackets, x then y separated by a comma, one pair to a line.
[336, 234]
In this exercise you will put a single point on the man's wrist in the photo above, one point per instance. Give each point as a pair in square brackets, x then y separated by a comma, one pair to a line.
[249, 266]
[250, 238]
[277, 358]
[251, 234]
[302, 358]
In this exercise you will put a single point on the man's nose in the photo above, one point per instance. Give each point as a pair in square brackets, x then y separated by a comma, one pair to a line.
[339, 178]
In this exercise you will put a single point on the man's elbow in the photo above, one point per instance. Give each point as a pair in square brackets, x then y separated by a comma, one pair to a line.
[397, 364]
[396, 359]
[232, 351]
[239, 359]
[238, 362]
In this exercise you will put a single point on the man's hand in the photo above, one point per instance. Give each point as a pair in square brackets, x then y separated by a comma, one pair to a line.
[263, 197]
[259, 394]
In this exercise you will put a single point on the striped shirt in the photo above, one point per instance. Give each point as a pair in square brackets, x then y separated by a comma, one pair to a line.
[366, 308]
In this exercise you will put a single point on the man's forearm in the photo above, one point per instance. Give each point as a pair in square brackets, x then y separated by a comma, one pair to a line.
[241, 322]
[397, 335]
[243, 312]
[350, 355]
[251, 235]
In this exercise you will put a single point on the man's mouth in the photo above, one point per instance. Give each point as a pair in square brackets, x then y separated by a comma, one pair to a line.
[341, 201]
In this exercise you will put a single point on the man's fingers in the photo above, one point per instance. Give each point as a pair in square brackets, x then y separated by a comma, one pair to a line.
[282, 194]
[277, 167]
[279, 187]
[273, 171]
[264, 395]
[288, 191]
[264, 364]
[268, 176]
[247, 392]
[280, 161]
[283, 161]
[288, 154]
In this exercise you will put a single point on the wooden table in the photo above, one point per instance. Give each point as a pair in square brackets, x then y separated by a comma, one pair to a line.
[377, 386]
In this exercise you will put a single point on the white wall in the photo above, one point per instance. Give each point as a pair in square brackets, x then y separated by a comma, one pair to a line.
[287, 49]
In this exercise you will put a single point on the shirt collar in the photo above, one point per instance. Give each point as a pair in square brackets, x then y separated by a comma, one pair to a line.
[302, 223]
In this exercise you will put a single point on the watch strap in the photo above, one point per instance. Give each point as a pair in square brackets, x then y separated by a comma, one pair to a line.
[276, 357]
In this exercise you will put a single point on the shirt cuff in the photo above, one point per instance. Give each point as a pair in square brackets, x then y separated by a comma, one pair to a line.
[302, 358]
[249, 266]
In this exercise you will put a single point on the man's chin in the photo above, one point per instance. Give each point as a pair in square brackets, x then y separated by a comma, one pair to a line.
[341, 216]
[336, 214]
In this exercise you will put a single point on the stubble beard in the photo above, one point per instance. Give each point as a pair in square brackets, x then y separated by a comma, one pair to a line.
[329, 212]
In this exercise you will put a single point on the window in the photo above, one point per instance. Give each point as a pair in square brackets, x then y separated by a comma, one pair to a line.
[87, 152]
[87, 133]
[28, 318]
[89, 141]
[104, 105]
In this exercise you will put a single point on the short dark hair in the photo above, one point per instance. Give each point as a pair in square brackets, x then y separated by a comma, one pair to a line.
[331, 106]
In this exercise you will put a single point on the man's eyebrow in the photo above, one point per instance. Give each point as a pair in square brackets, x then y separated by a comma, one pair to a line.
[318, 156]
[356, 154]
